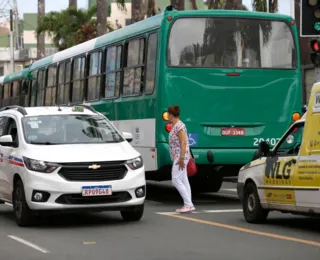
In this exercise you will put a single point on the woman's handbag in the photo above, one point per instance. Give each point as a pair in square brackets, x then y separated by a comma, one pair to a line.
[191, 167]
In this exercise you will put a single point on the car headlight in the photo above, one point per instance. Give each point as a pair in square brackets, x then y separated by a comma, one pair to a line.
[135, 163]
[39, 166]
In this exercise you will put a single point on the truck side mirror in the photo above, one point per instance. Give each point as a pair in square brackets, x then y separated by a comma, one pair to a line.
[264, 149]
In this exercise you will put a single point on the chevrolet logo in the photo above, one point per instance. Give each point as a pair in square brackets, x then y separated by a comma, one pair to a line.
[94, 166]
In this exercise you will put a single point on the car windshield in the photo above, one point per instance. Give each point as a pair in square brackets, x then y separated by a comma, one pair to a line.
[69, 129]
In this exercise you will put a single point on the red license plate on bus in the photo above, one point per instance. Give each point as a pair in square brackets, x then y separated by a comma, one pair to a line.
[232, 131]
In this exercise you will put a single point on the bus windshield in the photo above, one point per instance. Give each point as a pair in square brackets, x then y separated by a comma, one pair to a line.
[231, 43]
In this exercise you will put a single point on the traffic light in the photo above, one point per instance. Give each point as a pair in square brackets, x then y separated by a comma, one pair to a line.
[310, 18]
[315, 56]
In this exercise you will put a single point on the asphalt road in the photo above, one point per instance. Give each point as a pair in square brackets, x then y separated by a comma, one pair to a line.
[217, 230]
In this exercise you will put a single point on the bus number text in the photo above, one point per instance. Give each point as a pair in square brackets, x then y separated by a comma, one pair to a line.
[271, 141]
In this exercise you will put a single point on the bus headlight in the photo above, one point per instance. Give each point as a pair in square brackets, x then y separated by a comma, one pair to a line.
[290, 139]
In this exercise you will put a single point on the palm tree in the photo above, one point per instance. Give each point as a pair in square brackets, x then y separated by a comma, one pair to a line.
[101, 17]
[178, 4]
[73, 3]
[193, 4]
[102, 11]
[64, 26]
[261, 5]
[40, 36]
[137, 10]
[226, 4]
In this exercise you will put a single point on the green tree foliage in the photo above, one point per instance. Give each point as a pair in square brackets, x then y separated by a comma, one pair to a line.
[70, 26]
[261, 6]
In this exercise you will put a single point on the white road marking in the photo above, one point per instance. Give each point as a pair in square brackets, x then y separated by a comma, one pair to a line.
[27, 243]
[222, 210]
[202, 211]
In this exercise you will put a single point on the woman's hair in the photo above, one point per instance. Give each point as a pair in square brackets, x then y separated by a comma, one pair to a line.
[174, 110]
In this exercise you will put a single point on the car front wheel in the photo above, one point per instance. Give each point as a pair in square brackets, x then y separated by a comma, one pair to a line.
[252, 210]
[134, 213]
[22, 212]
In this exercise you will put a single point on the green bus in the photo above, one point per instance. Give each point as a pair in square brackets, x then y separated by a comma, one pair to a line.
[235, 75]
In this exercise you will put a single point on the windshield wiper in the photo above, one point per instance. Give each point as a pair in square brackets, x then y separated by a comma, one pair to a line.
[45, 143]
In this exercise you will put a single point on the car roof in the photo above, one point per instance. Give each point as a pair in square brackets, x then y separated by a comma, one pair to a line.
[49, 110]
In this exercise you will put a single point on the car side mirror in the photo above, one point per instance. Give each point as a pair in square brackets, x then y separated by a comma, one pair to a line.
[6, 140]
[127, 136]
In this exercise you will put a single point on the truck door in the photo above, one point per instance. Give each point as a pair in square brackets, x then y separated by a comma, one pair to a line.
[280, 168]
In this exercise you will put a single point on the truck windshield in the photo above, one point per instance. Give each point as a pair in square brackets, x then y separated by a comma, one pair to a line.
[231, 42]
[69, 129]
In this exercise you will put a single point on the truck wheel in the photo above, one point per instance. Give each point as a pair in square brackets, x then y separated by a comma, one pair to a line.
[252, 210]
[133, 213]
[23, 214]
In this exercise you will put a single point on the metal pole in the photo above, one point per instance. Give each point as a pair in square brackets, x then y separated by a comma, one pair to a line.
[267, 6]
[317, 72]
[292, 9]
[11, 43]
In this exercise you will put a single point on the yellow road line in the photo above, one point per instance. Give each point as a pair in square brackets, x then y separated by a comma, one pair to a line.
[250, 231]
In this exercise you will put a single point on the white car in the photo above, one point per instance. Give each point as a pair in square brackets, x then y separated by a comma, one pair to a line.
[67, 158]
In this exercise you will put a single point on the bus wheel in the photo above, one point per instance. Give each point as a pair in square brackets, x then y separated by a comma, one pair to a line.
[204, 182]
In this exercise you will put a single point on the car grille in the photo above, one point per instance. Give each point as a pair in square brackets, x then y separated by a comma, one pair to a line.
[108, 171]
[78, 199]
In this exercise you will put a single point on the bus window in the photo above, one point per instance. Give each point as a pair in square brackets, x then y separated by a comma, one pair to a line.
[133, 68]
[24, 96]
[78, 79]
[6, 94]
[41, 87]
[113, 72]
[231, 42]
[1, 95]
[151, 63]
[94, 78]
[51, 87]
[15, 93]
[34, 86]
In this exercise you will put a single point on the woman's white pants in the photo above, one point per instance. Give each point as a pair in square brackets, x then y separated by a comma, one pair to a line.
[181, 182]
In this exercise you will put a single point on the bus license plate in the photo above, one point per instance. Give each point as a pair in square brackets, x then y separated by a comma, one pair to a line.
[96, 190]
[232, 131]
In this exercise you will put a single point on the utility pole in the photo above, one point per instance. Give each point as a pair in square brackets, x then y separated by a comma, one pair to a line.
[17, 22]
[11, 43]
[268, 11]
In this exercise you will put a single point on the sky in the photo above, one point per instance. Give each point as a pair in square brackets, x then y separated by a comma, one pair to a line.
[30, 6]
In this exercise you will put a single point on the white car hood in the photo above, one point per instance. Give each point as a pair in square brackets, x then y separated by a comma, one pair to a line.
[81, 152]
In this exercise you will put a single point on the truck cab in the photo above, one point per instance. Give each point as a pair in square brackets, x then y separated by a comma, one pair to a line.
[287, 177]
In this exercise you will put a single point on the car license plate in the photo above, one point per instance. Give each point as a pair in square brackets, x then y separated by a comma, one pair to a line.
[232, 131]
[96, 190]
